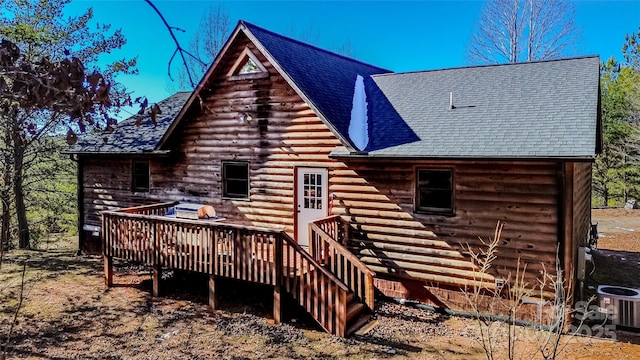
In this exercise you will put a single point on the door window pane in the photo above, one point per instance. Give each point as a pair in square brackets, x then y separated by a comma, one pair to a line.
[312, 191]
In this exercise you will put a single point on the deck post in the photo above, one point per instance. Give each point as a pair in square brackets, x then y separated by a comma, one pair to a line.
[213, 297]
[277, 288]
[108, 270]
[277, 304]
[344, 239]
[157, 274]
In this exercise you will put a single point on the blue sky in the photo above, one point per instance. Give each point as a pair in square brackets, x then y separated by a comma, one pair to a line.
[400, 36]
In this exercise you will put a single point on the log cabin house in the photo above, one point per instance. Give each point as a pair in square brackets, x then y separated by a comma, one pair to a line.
[334, 176]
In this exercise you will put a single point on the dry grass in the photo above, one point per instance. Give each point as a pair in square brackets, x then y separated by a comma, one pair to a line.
[69, 313]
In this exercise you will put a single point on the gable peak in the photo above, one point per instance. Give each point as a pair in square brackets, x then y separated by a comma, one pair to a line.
[247, 66]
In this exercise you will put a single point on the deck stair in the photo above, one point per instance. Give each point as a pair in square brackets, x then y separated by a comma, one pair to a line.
[328, 281]
[358, 315]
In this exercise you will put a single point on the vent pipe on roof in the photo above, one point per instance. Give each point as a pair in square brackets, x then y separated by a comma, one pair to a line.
[451, 107]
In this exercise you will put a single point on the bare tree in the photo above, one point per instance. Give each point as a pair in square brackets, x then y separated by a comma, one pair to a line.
[208, 41]
[631, 50]
[522, 30]
[311, 35]
[205, 45]
[512, 338]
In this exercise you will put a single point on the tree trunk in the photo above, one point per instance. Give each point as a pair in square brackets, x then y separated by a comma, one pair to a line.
[5, 195]
[5, 222]
[18, 191]
[21, 214]
[4, 232]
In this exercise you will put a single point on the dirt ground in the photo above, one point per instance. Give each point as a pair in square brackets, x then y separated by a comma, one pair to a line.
[619, 229]
[68, 313]
[617, 258]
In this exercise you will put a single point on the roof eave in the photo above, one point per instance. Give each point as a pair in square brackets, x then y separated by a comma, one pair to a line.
[153, 152]
[363, 155]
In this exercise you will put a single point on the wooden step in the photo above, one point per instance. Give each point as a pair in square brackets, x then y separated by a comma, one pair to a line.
[361, 325]
[368, 326]
[350, 297]
[353, 310]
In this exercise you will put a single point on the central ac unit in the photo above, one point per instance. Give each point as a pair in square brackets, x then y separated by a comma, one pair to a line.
[620, 304]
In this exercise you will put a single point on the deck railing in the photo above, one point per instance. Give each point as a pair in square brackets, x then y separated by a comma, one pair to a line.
[229, 250]
[335, 227]
[327, 250]
[261, 255]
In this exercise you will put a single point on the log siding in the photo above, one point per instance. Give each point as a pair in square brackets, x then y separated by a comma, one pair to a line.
[397, 242]
[582, 203]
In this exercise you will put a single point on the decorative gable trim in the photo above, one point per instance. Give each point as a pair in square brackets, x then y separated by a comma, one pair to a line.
[246, 56]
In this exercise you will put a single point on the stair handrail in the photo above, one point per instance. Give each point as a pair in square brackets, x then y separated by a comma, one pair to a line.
[366, 293]
[322, 307]
[308, 256]
[343, 251]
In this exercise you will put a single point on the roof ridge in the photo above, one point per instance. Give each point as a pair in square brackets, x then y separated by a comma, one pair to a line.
[288, 38]
[490, 65]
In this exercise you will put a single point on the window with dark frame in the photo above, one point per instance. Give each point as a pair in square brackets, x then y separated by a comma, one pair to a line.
[434, 191]
[140, 176]
[235, 179]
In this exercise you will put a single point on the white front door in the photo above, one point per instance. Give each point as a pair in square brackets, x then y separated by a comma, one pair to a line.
[311, 194]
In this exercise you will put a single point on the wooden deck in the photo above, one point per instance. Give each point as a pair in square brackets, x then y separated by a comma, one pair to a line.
[328, 281]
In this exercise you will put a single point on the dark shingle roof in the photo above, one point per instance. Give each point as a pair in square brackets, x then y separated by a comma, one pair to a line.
[129, 137]
[540, 109]
[328, 81]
